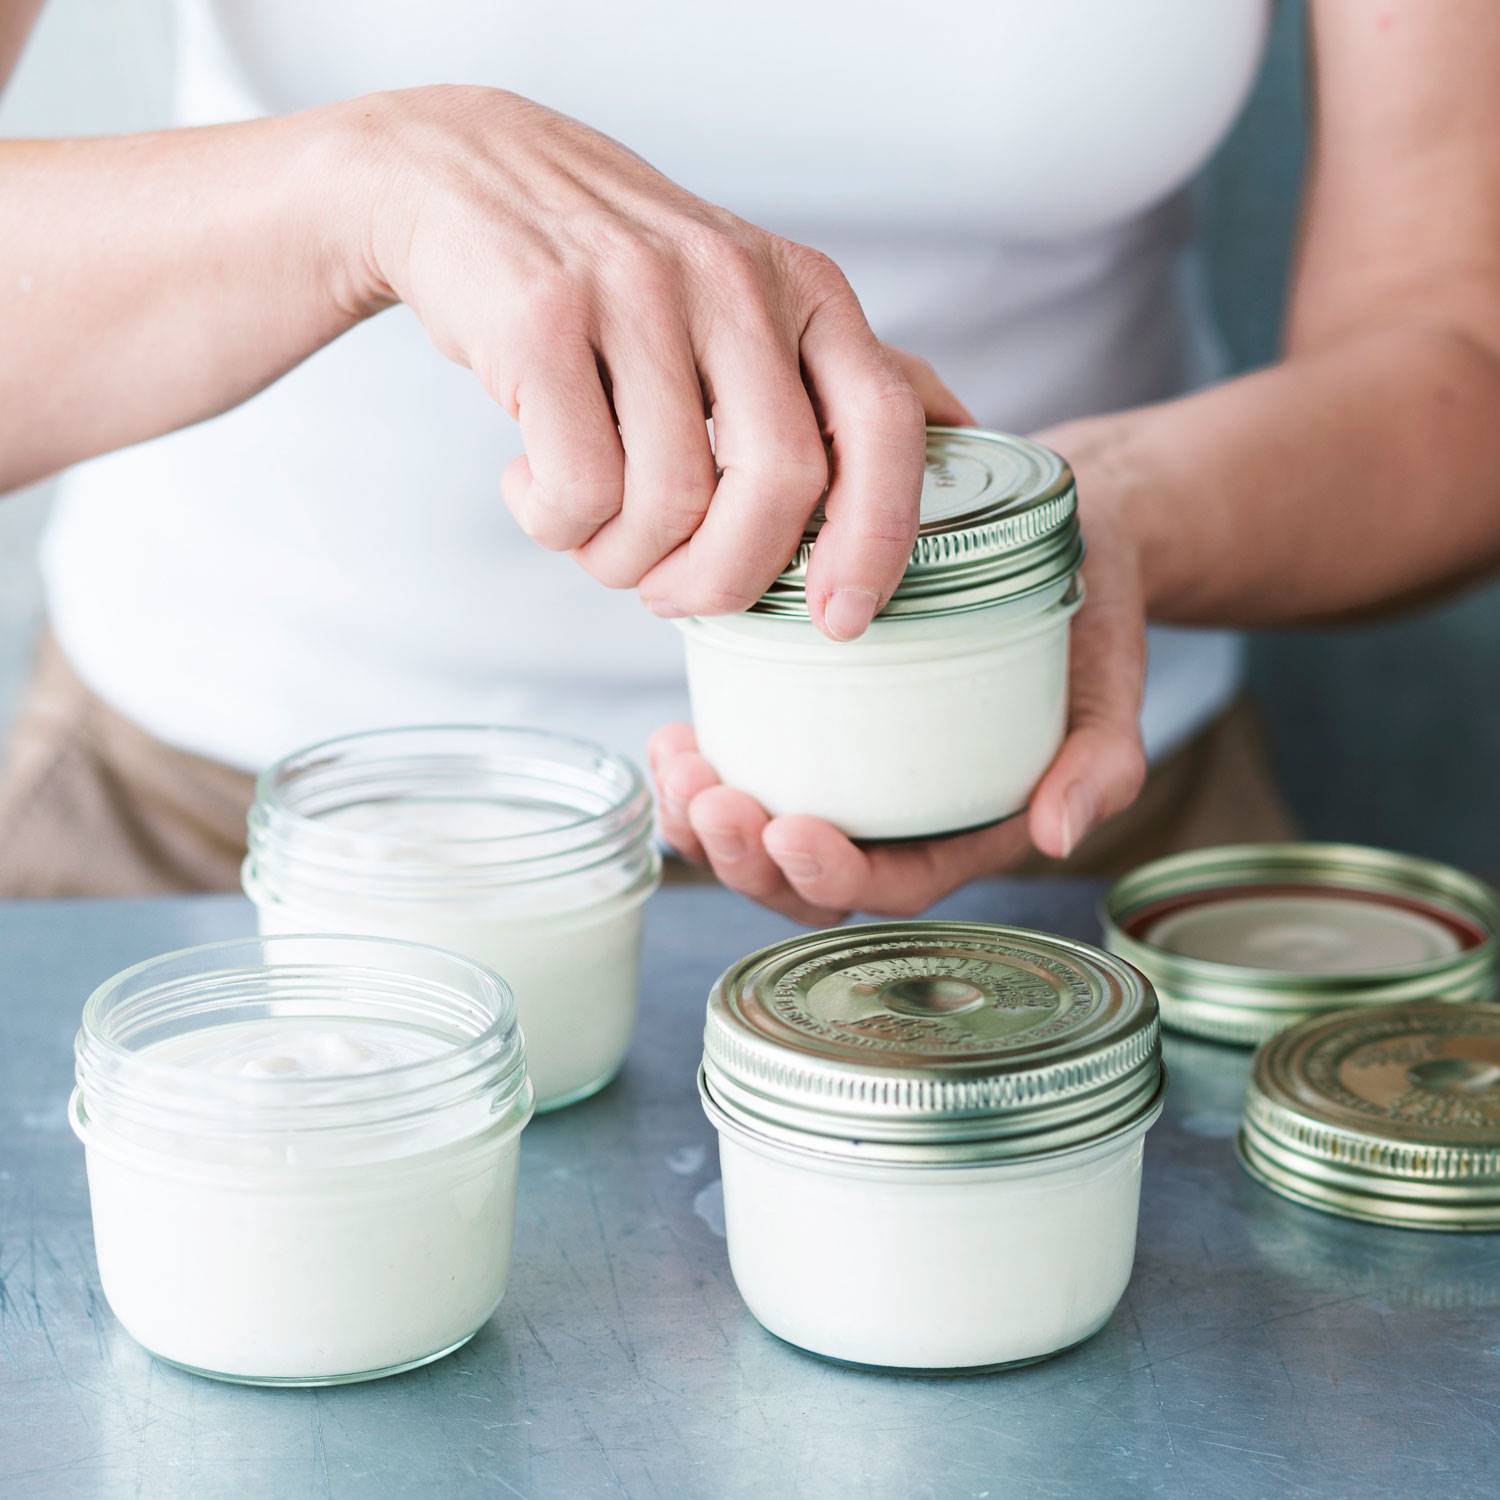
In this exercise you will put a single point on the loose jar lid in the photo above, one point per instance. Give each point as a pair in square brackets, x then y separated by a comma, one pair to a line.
[1390, 1114]
[1243, 940]
[999, 520]
[952, 1042]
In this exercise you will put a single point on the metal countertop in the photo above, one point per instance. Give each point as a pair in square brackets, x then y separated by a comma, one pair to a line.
[1262, 1349]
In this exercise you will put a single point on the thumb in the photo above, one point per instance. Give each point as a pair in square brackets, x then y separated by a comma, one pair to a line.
[1102, 763]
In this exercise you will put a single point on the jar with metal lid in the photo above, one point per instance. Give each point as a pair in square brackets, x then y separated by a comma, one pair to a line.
[930, 1138]
[529, 852]
[945, 713]
[1389, 1114]
[302, 1154]
[1245, 939]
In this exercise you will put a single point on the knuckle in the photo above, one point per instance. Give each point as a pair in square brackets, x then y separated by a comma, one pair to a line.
[727, 253]
[892, 400]
[555, 304]
[638, 266]
[714, 597]
[791, 471]
[583, 496]
[549, 531]
[816, 273]
[562, 513]
[678, 512]
[613, 571]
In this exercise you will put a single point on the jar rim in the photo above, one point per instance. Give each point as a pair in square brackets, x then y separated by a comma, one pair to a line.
[611, 809]
[221, 980]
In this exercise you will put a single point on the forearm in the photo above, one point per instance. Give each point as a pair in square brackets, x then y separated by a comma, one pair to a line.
[1343, 480]
[148, 282]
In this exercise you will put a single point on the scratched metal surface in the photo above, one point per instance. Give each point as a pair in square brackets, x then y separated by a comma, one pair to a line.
[1262, 1349]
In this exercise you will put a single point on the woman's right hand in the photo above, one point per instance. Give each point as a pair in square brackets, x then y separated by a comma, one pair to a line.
[610, 311]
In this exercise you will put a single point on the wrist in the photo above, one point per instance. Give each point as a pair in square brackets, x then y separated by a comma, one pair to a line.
[1119, 497]
[345, 185]
[384, 157]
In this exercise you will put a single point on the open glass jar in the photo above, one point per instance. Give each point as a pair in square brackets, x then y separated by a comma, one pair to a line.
[526, 851]
[944, 714]
[930, 1137]
[302, 1154]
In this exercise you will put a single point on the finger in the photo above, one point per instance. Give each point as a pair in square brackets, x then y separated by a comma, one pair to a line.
[878, 432]
[773, 466]
[669, 740]
[570, 481]
[681, 779]
[898, 880]
[1102, 763]
[669, 475]
[943, 408]
[729, 825]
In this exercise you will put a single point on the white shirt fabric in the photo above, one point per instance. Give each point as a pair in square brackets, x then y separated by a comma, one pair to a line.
[1001, 180]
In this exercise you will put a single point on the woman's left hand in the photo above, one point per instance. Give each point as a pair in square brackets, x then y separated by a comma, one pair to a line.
[806, 869]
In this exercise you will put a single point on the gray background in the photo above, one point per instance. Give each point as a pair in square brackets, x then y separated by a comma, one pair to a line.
[1381, 733]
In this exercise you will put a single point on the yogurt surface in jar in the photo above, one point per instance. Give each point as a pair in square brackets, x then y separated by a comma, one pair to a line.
[946, 712]
[528, 852]
[302, 1154]
[930, 1136]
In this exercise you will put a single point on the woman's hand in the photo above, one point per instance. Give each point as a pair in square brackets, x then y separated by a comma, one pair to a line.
[806, 869]
[609, 311]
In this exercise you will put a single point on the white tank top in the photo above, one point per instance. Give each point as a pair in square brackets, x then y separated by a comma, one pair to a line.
[1000, 179]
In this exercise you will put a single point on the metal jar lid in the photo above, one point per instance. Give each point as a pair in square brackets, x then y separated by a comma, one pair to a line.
[1390, 1114]
[1244, 1003]
[953, 1043]
[999, 520]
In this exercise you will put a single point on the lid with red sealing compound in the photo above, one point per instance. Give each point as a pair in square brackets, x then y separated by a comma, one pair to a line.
[1243, 940]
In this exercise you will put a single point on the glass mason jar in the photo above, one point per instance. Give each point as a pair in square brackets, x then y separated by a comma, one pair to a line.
[930, 1138]
[945, 713]
[526, 851]
[302, 1154]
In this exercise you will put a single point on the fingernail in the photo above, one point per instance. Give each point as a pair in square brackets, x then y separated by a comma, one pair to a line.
[673, 805]
[723, 843]
[664, 611]
[1077, 815]
[849, 613]
[798, 865]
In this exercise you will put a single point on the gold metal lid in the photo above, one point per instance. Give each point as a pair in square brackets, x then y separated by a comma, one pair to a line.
[1441, 938]
[1390, 1114]
[931, 1041]
[999, 520]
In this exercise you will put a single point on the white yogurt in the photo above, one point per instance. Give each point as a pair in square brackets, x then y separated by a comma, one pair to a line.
[927, 1269]
[920, 727]
[946, 712]
[930, 1136]
[529, 853]
[302, 1154]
